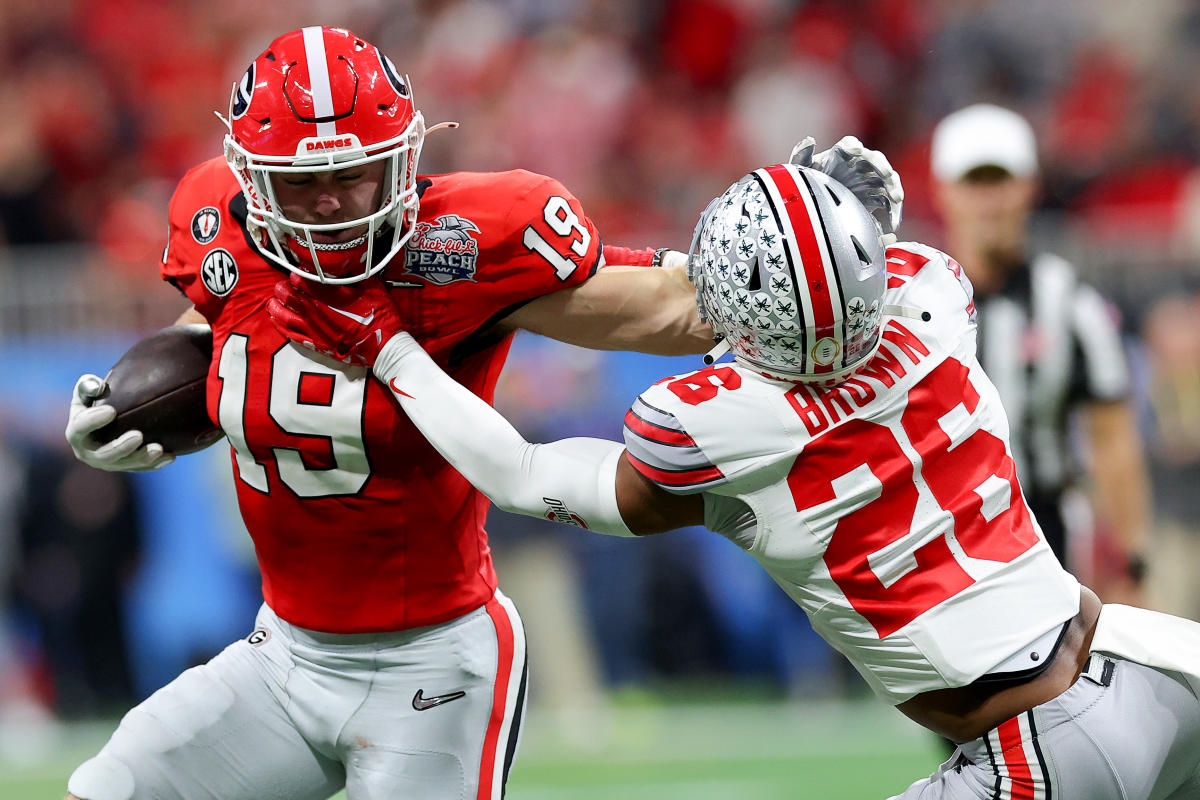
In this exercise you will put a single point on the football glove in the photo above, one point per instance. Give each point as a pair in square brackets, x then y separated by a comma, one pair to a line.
[126, 453]
[864, 172]
[349, 323]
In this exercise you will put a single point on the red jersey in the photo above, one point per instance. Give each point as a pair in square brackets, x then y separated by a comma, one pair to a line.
[358, 524]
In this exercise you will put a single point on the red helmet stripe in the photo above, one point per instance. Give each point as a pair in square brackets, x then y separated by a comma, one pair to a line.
[804, 228]
[318, 76]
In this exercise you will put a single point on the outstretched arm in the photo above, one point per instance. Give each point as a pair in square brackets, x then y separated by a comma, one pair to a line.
[584, 482]
[654, 310]
[581, 481]
[623, 308]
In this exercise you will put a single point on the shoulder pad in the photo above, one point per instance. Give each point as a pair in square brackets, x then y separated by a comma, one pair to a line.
[662, 450]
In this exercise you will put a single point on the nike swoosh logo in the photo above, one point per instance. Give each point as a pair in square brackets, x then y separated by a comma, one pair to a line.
[422, 703]
[398, 390]
[404, 284]
[353, 316]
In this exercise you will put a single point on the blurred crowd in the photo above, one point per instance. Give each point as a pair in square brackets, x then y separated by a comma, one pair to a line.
[645, 110]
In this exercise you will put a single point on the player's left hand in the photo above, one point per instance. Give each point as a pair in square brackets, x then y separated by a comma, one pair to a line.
[867, 173]
[126, 453]
[348, 323]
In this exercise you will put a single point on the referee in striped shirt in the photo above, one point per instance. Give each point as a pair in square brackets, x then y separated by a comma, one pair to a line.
[1046, 339]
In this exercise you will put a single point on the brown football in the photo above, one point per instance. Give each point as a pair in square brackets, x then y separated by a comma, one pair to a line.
[158, 388]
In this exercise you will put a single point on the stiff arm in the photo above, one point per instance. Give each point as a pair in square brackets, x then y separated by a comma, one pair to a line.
[581, 481]
[650, 310]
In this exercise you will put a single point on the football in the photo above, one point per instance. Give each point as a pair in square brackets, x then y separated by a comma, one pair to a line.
[158, 388]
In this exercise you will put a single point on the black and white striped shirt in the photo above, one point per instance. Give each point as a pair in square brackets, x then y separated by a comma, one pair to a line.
[1049, 342]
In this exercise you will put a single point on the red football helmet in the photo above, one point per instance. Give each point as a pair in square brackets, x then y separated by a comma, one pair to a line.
[323, 99]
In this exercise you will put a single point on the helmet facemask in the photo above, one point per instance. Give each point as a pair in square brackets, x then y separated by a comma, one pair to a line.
[321, 99]
[290, 243]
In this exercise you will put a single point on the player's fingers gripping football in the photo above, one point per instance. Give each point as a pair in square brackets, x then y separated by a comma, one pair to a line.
[347, 323]
[84, 418]
[125, 453]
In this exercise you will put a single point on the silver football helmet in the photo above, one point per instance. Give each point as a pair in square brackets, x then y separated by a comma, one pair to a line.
[790, 270]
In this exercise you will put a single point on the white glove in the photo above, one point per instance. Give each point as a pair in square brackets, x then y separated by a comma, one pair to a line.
[124, 453]
[864, 172]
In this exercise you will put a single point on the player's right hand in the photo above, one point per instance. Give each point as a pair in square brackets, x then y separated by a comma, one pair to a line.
[349, 323]
[865, 172]
[126, 453]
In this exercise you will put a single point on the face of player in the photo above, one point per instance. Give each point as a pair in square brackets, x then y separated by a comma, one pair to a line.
[324, 198]
[986, 213]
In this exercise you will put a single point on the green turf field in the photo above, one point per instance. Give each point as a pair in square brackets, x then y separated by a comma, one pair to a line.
[830, 751]
[662, 750]
[826, 751]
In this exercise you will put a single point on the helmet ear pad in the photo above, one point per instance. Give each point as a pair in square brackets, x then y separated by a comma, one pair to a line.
[322, 99]
[791, 269]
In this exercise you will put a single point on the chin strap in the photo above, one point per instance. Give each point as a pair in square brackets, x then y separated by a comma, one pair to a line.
[720, 349]
[908, 312]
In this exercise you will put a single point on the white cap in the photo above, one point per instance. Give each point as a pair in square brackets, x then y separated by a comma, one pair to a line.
[983, 135]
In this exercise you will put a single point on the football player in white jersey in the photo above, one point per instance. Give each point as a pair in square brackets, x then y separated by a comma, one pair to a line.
[855, 448]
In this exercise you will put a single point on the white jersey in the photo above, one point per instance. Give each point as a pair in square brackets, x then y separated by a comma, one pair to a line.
[886, 506]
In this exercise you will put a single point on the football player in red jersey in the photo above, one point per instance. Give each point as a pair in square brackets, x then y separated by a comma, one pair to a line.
[856, 449]
[384, 659]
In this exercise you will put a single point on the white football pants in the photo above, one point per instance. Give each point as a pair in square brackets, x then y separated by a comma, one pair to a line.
[291, 714]
[1123, 731]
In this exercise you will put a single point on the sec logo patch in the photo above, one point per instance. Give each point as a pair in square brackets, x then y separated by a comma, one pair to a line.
[205, 224]
[219, 272]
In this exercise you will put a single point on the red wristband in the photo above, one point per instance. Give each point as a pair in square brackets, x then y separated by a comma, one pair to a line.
[627, 256]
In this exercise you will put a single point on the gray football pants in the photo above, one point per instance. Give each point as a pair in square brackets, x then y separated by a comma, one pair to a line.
[1123, 731]
[287, 714]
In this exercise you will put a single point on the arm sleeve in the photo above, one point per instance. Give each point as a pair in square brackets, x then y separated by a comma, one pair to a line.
[571, 481]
